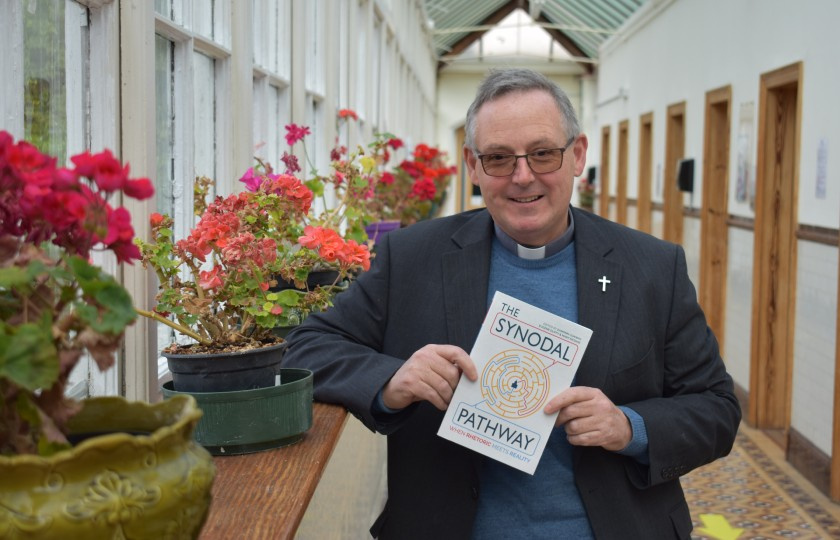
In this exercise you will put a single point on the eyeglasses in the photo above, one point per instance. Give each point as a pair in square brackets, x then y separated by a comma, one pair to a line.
[540, 161]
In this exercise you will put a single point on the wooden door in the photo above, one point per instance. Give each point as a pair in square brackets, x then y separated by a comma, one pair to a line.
[674, 152]
[604, 175]
[774, 274]
[645, 173]
[714, 231]
[621, 179]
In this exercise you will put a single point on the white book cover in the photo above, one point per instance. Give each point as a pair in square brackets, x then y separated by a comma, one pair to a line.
[524, 356]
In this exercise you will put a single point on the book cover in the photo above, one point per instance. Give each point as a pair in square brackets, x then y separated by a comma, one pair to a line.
[524, 356]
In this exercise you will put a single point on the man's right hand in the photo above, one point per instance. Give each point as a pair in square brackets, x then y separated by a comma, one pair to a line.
[431, 374]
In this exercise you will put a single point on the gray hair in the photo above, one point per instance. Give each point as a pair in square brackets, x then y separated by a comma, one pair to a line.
[500, 82]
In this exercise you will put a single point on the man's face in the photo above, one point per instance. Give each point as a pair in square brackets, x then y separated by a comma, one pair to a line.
[532, 208]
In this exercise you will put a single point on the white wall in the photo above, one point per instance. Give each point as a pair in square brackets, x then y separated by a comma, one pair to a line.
[693, 46]
[677, 50]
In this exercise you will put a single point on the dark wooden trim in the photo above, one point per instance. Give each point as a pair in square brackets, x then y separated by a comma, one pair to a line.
[567, 43]
[494, 18]
[740, 222]
[632, 202]
[691, 212]
[657, 206]
[819, 235]
[461, 45]
[810, 461]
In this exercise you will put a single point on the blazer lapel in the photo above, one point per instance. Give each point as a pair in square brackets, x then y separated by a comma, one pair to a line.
[466, 273]
[599, 285]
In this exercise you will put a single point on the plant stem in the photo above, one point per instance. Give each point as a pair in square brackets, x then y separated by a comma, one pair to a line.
[172, 324]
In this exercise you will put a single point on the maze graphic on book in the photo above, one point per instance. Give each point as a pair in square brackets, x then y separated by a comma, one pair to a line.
[514, 383]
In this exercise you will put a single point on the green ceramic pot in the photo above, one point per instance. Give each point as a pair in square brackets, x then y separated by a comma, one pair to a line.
[246, 421]
[145, 478]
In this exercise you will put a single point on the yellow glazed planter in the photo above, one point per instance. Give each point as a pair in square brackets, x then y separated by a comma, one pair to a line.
[142, 476]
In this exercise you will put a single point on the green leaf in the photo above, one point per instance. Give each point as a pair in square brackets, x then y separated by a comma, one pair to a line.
[13, 276]
[360, 182]
[28, 356]
[289, 297]
[316, 186]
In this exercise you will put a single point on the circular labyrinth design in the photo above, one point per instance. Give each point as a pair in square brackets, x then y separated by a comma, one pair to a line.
[514, 383]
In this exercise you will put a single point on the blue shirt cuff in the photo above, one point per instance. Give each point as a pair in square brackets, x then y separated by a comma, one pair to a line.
[638, 447]
[379, 406]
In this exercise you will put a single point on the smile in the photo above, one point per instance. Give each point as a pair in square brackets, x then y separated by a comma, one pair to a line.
[526, 199]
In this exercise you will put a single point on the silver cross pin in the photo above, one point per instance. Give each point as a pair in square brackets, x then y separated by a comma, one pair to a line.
[603, 281]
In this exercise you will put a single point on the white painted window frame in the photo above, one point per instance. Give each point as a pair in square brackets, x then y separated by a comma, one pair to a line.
[271, 78]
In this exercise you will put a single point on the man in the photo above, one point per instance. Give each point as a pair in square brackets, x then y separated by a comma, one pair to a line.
[651, 399]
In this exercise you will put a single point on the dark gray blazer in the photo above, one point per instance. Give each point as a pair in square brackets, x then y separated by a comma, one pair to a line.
[650, 350]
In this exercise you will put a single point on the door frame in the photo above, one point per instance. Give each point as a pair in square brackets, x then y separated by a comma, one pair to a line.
[604, 175]
[714, 228]
[672, 229]
[775, 250]
[644, 216]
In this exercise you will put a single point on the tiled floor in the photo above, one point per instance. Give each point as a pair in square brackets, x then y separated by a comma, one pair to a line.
[755, 494]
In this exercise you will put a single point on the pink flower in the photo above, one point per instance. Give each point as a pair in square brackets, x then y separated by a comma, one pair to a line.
[103, 168]
[140, 189]
[252, 182]
[291, 162]
[295, 133]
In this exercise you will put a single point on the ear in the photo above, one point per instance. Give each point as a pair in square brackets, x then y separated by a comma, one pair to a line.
[472, 162]
[579, 152]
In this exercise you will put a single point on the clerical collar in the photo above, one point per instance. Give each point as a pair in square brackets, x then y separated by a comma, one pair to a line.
[540, 252]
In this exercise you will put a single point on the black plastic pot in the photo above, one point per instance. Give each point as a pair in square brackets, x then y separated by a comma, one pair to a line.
[224, 372]
[322, 278]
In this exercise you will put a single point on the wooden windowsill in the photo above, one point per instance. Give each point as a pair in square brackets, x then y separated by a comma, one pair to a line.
[264, 495]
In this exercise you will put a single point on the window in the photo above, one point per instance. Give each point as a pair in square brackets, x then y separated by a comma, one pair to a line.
[46, 98]
[272, 74]
[191, 85]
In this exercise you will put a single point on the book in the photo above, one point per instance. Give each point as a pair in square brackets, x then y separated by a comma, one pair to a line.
[524, 356]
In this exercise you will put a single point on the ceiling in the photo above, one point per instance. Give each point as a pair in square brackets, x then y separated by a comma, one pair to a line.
[579, 26]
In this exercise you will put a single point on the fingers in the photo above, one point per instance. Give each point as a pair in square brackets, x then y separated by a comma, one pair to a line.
[590, 418]
[430, 374]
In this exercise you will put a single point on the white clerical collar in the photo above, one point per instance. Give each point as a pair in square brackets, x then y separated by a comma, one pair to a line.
[539, 252]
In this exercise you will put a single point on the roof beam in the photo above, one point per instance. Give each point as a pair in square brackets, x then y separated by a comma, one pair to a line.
[567, 43]
[491, 20]
[497, 16]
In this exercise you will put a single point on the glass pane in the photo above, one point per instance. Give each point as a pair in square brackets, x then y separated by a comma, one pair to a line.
[165, 146]
[45, 98]
[204, 12]
[258, 22]
[283, 41]
[164, 7]
[205, 116]
[164, 122]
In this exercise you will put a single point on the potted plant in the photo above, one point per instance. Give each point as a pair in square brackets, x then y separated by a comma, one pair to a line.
[414, 189]
[100, 467]
[586, 194]
[219, 286]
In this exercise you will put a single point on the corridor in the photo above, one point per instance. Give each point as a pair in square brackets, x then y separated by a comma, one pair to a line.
[755, 490]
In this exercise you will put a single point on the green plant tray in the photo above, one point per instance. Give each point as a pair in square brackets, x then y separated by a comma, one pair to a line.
[247, 421]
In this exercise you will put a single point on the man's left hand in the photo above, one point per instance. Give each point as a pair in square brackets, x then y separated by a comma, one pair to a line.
[590, 418]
